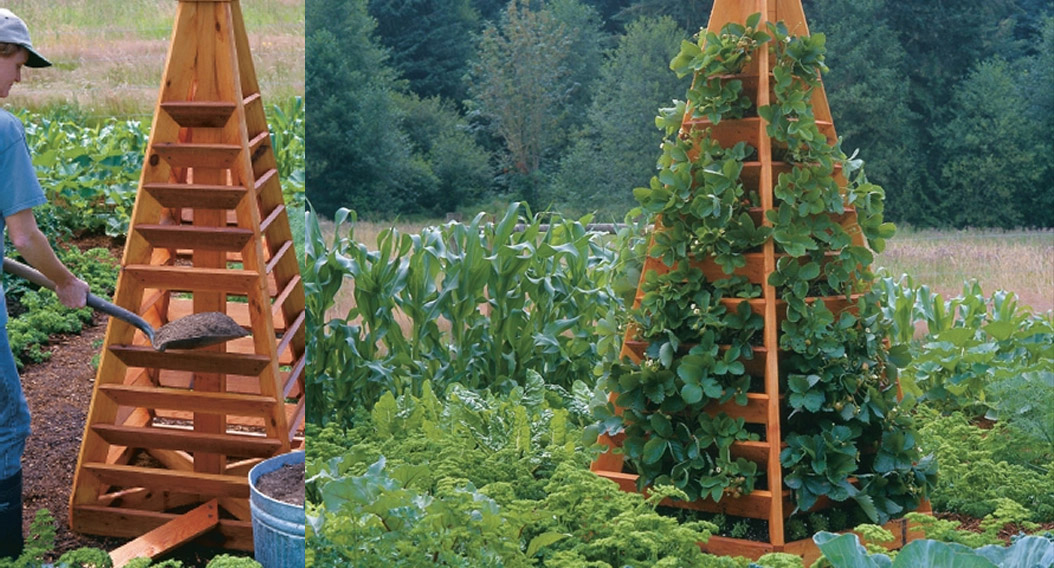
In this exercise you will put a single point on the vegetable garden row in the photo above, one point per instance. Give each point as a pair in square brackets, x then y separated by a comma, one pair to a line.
[455, 407]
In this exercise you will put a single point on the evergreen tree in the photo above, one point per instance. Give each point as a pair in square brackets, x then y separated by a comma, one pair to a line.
[689, 14]
[619, 149]
[945, 40]
[1036, 84]
[587, 43]
[348, 82]
[869, 101]
[987, 161]
[457, 169]
[371, 147]
[430, 42]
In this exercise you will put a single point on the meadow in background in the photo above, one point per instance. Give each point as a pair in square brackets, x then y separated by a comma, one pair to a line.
[108, 55]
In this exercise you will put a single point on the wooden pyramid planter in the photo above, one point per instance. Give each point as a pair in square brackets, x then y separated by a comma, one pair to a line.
[171, 436]
[754, 374]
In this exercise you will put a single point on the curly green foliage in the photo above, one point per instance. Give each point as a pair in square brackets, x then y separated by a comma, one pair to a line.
[612, 528]
[231, 561]
[977, 473]
[475, 480]
[86, 557]
[778, 560]
[38, 543]
[44, 315]
[946, 530]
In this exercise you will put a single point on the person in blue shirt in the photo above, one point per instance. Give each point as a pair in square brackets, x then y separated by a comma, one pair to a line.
[20, 191]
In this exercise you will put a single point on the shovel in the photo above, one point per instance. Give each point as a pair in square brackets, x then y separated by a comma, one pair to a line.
[190, 332]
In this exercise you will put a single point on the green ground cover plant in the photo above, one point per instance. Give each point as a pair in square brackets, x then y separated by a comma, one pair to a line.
[39, 314]
[41, 540]
[480, 480]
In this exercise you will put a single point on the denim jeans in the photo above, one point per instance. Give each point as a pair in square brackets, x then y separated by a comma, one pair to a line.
[14, 413]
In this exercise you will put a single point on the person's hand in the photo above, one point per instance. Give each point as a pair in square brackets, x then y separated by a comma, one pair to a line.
[73, 293]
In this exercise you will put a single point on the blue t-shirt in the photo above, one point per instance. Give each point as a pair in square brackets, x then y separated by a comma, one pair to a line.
[19, 187]
[19, 190]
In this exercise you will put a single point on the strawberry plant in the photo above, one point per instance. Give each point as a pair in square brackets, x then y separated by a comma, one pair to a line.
[694, 336]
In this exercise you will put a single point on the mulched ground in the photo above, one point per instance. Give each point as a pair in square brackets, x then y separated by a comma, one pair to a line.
[58, 392]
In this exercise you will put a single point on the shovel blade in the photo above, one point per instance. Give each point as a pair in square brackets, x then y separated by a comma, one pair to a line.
[197, 330]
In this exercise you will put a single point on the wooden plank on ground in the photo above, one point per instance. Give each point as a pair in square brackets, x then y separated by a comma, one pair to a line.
[170, 535]
[123, 522]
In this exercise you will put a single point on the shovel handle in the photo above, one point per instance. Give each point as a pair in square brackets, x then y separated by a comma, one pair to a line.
[36, 277]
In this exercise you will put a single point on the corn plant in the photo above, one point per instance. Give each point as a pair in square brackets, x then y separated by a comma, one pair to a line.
[478, 304]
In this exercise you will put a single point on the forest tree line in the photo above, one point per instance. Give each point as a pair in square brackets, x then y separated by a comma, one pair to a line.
[425, 107]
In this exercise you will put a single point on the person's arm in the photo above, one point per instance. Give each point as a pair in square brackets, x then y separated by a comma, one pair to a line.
[34, 247]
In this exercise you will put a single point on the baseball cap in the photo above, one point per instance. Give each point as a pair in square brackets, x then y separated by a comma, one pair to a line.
[14, 30]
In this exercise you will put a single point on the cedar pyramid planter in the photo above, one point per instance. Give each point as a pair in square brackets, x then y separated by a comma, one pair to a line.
[754, 375]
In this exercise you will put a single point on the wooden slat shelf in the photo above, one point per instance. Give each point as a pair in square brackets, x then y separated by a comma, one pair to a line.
[187, 441]
[172, 481]
[244, 422]
[193, 279]
[196, 195]
[163, 398]
[197, 238]
[192, 360]
[197, 155]
[200, 114]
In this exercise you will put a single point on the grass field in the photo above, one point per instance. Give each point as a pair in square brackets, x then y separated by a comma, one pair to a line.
[1018, 261]
[109, 55]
